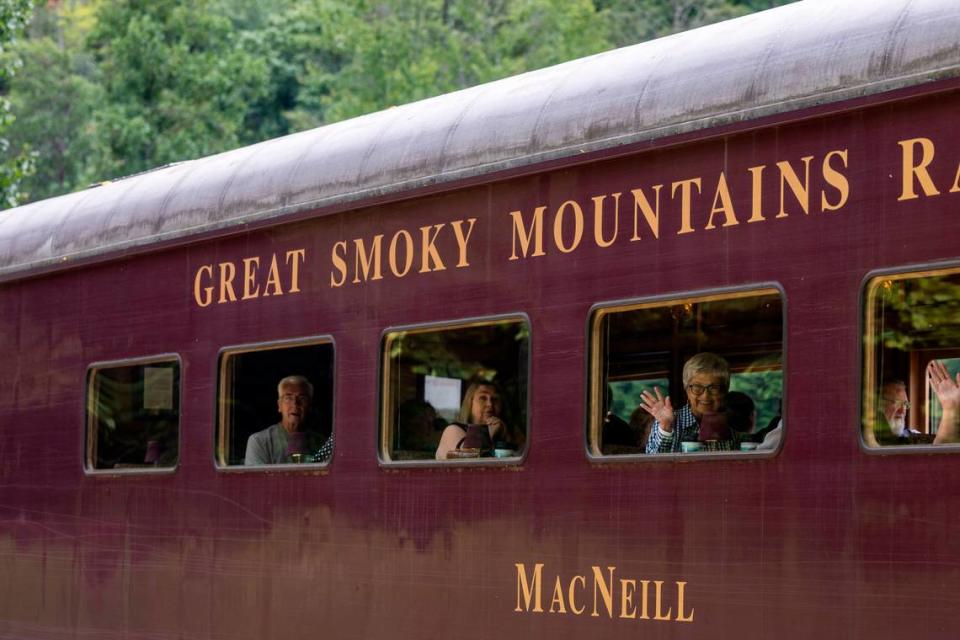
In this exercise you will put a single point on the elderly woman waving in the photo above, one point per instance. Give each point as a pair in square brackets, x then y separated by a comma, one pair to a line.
[706, 379]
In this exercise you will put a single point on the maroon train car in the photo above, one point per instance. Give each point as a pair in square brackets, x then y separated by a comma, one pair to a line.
[536, 256]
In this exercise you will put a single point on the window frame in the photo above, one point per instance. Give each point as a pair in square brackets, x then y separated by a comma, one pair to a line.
[220, 441]
[593, 407]
[89, 421]
[867, 377]
[386, 400]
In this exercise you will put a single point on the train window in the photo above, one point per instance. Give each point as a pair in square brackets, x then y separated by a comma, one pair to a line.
[456, 392]
[276, 404]
[911, 357]
[694, 374]
[133, 414]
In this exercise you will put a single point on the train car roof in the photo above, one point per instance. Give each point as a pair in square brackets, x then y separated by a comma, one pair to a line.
[800, 55]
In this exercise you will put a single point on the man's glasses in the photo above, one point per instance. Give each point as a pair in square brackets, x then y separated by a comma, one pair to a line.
[712, 389]
[905, 404]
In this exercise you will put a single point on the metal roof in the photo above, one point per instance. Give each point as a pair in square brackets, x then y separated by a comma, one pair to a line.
[800, 55]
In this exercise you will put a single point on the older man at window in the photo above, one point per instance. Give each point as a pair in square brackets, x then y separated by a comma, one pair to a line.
[289, 440]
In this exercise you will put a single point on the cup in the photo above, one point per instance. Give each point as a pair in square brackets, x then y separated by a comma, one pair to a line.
[690, 447]
[503, 453]
[301, 458]
[749, 446]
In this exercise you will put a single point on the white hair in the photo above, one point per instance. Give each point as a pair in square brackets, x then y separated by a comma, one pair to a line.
[297, 380]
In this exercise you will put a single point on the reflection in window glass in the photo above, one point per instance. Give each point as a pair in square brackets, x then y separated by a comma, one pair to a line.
[911, 358]
[276, 404]
[133, 415]
[717, 358]
[456, 392]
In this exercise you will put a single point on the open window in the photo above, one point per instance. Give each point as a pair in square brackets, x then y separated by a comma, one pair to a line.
[911, 320]
[732, 342]
[276, 404]
[437, 376]
[133, 414]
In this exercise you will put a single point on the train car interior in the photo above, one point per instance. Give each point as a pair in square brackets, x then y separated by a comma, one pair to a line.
[428, 371]
[248, 378]
[643, 346]
[910, 320]
[133, 414]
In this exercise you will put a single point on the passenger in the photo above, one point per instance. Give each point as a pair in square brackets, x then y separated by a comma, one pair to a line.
[416, 430]
[279, 443]
[890, 426]
[741, 413]
[482, 405]
[641, 422]
[948, 393]
[706, 379]
[770, 438]
[621, 437]
[766, 434]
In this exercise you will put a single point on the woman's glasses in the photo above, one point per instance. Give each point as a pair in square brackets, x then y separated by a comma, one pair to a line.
[712, 389]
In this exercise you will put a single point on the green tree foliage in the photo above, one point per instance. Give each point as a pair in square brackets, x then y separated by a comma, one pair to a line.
[334, 60]
[177, 83]
[634, 21]
[114, 87]
[17, 160]
[56, 99]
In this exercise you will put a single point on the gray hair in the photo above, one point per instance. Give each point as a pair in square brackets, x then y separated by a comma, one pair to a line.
[708, 363]
[892, 382]
[297, 380]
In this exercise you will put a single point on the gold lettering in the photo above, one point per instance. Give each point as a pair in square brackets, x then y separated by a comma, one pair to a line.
[756, 202]
[836, 180]
[557, 598]
[660, 615]
[598, 220]
[650, 214]
[430, 253]
[685, 202]
[606, 591]
[295, 268]
[273, 279]
[645, 598]
[956, 182]
[462, 240]
[627, 587]
[227, 273]
[577, 226]
[571, 596]
[912, 170]
[801, 191]
[726, 204]
[526, 236]
[250, 278]
[339, 262]
[680, 616]
[408, 241]
[364, 262]
[529, 589]
[206, 298]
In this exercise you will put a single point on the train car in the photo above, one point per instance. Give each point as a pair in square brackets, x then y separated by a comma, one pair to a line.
[396, 377]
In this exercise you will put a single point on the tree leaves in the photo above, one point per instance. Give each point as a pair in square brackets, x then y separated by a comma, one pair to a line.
[17, 160]
[116, 87]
